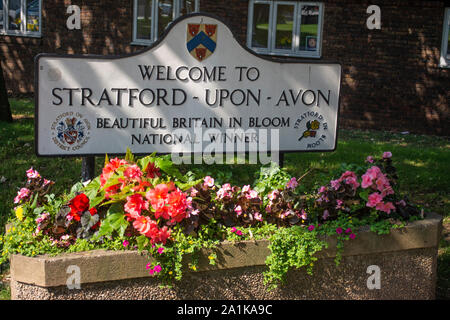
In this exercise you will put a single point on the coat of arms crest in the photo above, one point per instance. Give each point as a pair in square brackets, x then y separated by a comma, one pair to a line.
[201, 40]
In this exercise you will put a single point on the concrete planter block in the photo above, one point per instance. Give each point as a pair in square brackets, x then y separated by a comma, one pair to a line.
[406, 258]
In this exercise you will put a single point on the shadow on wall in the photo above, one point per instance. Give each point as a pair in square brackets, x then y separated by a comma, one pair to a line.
[391, 77]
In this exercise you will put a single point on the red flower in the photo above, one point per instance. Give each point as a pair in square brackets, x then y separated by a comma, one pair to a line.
[79, 204]
[152, 171]
[177, 205]
[110, 168]
[135, 204]
[93, 211]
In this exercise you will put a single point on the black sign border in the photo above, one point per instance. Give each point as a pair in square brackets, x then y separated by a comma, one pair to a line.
[275, 58]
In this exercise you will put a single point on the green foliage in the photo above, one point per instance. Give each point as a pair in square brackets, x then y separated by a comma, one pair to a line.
[292, 247]
[115, 222]
[271, 177]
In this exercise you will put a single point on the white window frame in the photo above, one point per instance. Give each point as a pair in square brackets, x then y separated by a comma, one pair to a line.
[154, 22]
[445, 58]
[295, 51]
[23, 17]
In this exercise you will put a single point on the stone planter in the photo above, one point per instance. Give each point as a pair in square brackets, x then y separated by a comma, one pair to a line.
[406, 259]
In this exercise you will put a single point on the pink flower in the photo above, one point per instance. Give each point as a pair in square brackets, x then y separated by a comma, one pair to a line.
[208, 181]
[387, 155]
[238, 210]
[157, 268]
[352, 236]
[304, 215]
[193, 192]
[233, 229]
[246, 189]
[125, 243]
[226, 187]
[32, 174]
[22, 194]
[224, 192]
[369, 159]
[195, 212]
[322, 189]
[160, 250]
[268, 209]
[133, 172]
[385, 207]
[335, 184]
[339, 230]
[292, 184]
[311, 227]
[252, 194]
[374, 199]
[273, 195]
[373, 172]
[339, 204]
[258, 216]
[353, 182]
[348, 230]
[326, 214]
[239, 232]
[366, 181]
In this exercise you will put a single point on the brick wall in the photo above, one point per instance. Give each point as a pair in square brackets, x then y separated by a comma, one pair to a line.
[391, 78]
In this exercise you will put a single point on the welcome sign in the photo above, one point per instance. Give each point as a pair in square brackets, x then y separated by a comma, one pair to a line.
[195, 87]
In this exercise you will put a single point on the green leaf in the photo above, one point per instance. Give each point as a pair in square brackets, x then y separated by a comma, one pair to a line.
[97, 200]
[187, 185]
[129, 156]
[142, 242]
[76, 188]
[92, 188]
[34, 204]
[165, 164]
[364, 195]
[143, 162]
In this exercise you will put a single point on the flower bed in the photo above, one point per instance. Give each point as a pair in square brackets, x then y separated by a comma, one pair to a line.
[149, 205]
[406, 258]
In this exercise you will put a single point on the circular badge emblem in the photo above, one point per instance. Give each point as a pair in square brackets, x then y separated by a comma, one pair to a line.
[312, 129]
[70, 131]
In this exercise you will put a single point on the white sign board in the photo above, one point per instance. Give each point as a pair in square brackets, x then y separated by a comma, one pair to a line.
[194, 87]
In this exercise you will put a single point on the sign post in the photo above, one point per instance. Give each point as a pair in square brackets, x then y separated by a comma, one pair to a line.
[195, 91]
[87, 168]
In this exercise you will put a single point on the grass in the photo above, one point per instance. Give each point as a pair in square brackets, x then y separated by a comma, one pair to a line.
[423, 164]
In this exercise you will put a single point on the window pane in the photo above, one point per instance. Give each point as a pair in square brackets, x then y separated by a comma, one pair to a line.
[285, 24]
[165, 14]
[448, 41]
[14, 15]
[309, 28]
[144, 19]
[260, 28]
[187, 6]
[32, 12]
[1, 14]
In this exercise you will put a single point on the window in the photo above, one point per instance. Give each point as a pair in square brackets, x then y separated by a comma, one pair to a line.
[151, 17]
[285, 28]
[20, 17]
[445, 47]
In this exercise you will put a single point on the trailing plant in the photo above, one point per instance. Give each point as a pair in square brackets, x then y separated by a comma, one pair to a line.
[292, 247]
